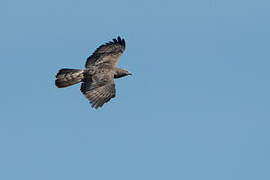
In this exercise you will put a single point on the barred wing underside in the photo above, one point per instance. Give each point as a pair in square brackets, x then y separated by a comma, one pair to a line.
[107, 53]
[99, 89]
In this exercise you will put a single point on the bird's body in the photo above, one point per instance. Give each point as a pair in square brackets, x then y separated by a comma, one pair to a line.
[98, 76]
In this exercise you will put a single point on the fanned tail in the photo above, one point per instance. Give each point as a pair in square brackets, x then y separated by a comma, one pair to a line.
[67, 77]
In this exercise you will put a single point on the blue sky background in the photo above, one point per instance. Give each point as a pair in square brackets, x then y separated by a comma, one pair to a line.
[197, 106]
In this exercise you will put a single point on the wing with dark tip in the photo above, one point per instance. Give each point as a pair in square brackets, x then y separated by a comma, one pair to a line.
[98, 93]
[107, 53]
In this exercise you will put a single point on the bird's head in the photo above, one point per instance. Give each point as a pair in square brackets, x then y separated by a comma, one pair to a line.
[121, 73]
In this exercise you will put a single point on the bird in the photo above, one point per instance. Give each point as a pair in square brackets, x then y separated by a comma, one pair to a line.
[97, 78]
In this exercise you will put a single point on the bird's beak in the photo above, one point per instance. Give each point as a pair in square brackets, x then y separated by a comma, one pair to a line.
[129, 73]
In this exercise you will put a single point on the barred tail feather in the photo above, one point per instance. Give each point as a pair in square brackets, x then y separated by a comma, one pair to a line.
[67, 77]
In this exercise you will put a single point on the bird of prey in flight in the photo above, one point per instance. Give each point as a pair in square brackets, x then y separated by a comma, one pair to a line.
[98, 76]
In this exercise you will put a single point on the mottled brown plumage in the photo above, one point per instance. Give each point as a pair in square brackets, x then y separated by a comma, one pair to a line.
[98, 76]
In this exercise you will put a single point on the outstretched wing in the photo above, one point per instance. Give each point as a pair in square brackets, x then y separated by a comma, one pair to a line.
[107, 53]
[99, 91]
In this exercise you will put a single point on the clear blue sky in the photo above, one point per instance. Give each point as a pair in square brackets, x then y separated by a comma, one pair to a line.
[196, 107]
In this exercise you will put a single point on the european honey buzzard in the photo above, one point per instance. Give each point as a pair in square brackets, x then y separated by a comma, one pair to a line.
[98, 76]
